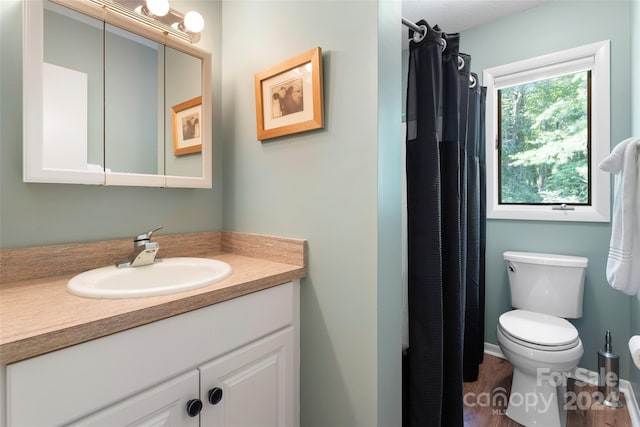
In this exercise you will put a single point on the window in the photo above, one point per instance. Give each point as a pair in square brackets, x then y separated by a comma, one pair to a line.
[548, 123]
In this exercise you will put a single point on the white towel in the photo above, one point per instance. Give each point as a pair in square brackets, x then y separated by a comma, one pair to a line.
[623, 263]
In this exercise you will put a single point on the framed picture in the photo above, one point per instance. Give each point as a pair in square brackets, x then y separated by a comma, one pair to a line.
[186, 126]
[289, 96]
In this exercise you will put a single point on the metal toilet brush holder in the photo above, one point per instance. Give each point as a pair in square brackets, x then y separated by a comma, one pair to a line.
[608, 375]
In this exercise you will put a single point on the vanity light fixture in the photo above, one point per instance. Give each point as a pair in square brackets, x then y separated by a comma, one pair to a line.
[159, 15]
[153, 8]
[192, 22]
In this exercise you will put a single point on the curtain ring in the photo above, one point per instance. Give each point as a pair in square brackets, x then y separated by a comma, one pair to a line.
[472, 81]
[418, 36]
[460, 62]
[443, 43]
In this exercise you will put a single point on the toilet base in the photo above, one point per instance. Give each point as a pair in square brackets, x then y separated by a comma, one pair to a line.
[535, 402]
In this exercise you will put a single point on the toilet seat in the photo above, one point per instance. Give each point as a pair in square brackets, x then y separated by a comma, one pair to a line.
[538, 331]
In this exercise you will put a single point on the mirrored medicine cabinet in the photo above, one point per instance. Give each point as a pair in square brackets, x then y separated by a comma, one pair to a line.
[108, 101]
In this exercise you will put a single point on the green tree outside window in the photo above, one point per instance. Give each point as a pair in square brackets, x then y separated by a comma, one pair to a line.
[544, 141]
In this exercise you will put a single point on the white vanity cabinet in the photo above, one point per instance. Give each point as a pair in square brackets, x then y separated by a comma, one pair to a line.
[243, 352]
[252, 386]
[163, 405]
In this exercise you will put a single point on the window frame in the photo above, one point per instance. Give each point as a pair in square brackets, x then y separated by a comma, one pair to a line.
[594, 57]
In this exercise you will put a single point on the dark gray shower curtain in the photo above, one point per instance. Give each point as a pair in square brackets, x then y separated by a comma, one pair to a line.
[445, 127]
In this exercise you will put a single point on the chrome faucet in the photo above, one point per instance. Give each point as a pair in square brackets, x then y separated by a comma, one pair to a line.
[144, 251]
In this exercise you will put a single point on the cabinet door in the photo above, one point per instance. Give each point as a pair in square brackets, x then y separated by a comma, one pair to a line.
[162, 406]
[252, 386]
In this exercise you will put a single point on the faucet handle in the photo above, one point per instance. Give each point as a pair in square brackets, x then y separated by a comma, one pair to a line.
[145, 237]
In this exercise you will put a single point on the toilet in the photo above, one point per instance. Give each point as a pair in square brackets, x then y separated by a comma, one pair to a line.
[536, 338]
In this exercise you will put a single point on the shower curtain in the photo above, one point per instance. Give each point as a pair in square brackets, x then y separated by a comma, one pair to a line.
[445, 230]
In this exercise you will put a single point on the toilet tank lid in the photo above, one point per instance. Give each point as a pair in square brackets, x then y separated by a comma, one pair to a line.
[546, 259]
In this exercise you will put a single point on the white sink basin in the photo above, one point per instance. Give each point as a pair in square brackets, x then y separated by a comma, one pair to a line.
[168, 276]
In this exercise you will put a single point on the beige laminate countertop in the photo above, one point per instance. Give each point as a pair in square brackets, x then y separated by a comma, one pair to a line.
[39, 315]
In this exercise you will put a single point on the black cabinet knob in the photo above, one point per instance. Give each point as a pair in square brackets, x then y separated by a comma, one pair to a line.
[194, 406]
[215, 395]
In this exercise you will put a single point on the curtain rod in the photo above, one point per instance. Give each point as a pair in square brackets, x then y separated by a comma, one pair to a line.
[414, 27]
[420, 31]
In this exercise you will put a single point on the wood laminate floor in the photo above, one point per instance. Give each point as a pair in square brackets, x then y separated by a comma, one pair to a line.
[485, 401]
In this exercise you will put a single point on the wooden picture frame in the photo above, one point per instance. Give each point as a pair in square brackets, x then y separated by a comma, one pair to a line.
[289, 97]
[187, 121]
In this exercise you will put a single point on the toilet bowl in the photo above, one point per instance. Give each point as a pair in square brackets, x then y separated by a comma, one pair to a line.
[540, 343]
[540, 369]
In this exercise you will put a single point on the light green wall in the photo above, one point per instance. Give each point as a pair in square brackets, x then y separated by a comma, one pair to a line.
[389, 215]
[539, 31]
[42, 214]
[332, 187]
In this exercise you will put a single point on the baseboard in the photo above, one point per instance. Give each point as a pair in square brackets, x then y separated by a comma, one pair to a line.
[589, 377]
[632, 404]
[493, 350]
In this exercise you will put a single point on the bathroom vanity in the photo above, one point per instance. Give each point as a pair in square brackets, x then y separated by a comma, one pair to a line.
[225, 354]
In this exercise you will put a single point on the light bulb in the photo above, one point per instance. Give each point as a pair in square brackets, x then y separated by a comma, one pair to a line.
[158, 7]
[193, 22]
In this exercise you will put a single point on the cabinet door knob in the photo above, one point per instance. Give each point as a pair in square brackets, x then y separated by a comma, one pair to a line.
[194, 406]
[215, 395]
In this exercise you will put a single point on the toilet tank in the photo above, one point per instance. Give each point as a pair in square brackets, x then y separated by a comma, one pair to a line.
[546, 283]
